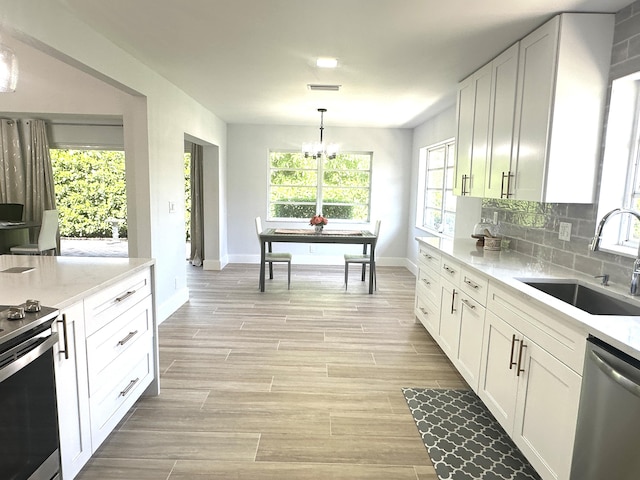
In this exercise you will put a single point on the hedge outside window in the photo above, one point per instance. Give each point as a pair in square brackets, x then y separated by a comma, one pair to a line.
[300, 187]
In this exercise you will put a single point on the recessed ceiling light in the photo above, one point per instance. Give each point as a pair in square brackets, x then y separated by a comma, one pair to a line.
[327, 62]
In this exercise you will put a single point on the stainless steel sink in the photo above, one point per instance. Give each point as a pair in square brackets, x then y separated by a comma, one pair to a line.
[591, 300]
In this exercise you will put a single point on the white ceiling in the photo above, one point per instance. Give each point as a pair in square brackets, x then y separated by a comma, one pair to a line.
[249, 61]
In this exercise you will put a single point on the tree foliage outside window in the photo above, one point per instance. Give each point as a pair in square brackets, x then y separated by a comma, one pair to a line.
[90, 189]
[300, 187]
[437, 203]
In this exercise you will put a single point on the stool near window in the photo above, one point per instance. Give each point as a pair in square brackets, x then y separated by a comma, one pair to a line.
[47, 238]
[363, 259]
[271, 258]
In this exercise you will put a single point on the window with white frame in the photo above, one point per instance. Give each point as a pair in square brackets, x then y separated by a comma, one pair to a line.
[339, 188]
[620, 180]
[436, 210]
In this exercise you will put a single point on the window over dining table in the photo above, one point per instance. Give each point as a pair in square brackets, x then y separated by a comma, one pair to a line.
[338, 188]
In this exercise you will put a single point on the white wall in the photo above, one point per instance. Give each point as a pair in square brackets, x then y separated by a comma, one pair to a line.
[156, 116]
[249, 147]
[437, 129]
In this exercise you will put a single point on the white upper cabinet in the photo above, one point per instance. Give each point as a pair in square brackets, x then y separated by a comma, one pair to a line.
[543, 110]
[473, 114]
[562, 83]
[498, 175]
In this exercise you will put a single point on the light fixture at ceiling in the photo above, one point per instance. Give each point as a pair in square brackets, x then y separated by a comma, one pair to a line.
[323, 87]
[327, 62]
[319, 149]
[8, 69]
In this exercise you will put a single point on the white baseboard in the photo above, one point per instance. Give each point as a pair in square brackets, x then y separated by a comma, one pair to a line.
[170, 306]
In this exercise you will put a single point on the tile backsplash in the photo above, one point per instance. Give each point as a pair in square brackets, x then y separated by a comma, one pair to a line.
[533, 229]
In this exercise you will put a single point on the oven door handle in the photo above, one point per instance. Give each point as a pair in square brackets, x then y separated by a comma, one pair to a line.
[27, 358]
[615, 375]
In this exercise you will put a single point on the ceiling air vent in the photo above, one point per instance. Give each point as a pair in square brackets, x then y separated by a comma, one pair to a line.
[326, 88]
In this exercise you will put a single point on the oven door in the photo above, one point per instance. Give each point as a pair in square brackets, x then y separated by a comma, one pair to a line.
[28, 415]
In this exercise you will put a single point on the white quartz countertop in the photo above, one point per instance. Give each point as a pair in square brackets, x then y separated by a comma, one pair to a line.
[61, 281]
[623, 332]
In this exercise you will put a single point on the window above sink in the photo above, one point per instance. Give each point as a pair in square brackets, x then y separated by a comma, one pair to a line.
[620, 182]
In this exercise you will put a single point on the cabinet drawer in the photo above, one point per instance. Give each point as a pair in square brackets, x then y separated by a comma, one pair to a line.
[115, 338]
[114, 300]
[475, 285]
[451, 270]
[112, 401]
[538, 324]
[429, 315]
[429, 257]
[428, 285]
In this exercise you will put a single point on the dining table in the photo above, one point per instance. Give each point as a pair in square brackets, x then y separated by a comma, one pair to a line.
[308, 235]
[14, 233]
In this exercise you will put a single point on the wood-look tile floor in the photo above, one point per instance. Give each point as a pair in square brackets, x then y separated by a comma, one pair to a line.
[287, 384]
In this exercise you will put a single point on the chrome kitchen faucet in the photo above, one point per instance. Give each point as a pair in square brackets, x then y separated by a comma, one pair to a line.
[595, 246]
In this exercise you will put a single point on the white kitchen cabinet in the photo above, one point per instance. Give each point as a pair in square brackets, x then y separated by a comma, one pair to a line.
[473, 97]
[427, 299]
[120, 350]
[546, 412]
[449, 319]
[455, 317]
[531, 392]
[72, 390]
[498, 173]
[563, 72]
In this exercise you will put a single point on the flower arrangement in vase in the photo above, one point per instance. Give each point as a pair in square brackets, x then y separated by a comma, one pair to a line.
[318, 222]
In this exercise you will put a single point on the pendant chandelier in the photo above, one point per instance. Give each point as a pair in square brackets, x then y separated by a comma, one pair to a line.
[8, 69]
[319, 149]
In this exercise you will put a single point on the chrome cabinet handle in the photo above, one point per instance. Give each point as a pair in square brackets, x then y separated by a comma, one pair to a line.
[127, 338]
[471, 284]
[519, 369]
[513, 347]
[453, 300]
[125, 296]
[448, 269]
[132, 383]
[64, 336]
[468, 304]
[464, 185]
[427, 256]
[508, 176]
[426, 282]
[425, 312]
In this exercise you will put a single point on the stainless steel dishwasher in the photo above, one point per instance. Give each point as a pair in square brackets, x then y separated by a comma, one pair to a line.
[607, 444]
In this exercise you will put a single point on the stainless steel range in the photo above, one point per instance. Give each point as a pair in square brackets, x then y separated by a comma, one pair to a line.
[28, 413]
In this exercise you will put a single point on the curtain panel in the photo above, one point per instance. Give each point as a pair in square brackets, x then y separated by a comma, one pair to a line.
[197, 215]
[26, 174]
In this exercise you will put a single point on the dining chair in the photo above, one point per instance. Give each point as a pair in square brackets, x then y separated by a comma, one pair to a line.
[11, 212]
[47, 238]
[363, 259]
[271, 257]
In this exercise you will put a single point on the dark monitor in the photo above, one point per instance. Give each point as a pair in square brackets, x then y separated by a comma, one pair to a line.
[11, 212]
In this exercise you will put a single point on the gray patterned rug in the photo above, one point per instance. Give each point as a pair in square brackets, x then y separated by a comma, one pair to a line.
[463, 439]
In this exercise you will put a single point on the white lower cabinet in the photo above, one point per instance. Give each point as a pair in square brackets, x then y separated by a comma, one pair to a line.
[104, 361]
[521, 357]
[531, 393]
[72, 390]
